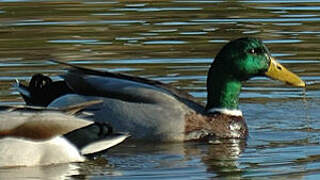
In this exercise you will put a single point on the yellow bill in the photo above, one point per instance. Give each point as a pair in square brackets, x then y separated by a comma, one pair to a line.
[278, 72]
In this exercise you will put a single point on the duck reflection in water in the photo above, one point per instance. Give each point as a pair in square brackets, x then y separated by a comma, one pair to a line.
[222, 157]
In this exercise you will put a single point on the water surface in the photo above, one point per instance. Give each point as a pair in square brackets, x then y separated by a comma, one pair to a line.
[175, 42]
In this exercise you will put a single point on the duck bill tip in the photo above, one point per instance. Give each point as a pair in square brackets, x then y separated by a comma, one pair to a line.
[279, 72]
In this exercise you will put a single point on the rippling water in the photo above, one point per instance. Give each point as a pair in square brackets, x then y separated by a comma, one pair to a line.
[175, 41]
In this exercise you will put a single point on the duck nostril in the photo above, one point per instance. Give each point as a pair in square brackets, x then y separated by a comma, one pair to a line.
[279, 68]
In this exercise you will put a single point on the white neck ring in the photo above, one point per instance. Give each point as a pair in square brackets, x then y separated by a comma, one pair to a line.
[232, 112]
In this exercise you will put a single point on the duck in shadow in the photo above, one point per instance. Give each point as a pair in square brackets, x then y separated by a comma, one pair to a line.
[152, 110]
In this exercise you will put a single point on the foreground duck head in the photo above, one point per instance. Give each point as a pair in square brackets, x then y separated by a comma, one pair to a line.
[238, 61]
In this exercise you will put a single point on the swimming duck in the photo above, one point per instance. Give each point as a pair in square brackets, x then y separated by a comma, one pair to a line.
[44, 89]
[151, 110]
[31, 136]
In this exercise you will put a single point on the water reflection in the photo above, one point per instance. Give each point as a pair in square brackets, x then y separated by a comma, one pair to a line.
[178, 160]
[54, 172]
[222, 158]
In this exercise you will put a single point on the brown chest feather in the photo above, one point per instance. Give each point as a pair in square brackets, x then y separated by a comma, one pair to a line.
[216, 125]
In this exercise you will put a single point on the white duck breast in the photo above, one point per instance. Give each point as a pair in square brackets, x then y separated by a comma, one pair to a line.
[25, 152]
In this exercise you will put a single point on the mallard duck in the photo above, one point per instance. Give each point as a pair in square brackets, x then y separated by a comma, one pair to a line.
[151, 110]
[44, 89]
[31, 136]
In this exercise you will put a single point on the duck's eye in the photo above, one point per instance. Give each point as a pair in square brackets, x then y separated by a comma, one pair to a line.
[256, 51]
[252, 51]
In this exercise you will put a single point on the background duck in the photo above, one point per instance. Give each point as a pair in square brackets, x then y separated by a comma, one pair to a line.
[34, 136]
[151, 110]
[44, 89]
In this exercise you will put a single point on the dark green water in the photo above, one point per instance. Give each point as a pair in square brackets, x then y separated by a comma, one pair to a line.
[175, 41]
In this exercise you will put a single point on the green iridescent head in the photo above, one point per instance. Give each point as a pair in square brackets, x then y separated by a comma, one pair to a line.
[237, 61]
[243, 58]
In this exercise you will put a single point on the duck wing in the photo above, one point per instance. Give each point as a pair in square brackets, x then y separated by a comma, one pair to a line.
[121, 86]
[38, 124]
[71, 110]
[104, 144]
